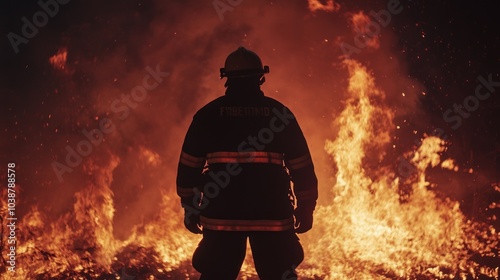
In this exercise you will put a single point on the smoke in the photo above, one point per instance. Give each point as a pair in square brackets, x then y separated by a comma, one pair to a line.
[110, 45]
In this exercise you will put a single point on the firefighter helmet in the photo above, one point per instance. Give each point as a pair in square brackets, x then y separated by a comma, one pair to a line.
[243, 63]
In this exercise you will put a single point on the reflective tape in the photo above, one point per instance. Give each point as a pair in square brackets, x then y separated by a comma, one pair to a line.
[185, 192]
[247, 225]
[298, 163]
[306, 195]
[245, 157]
[192, 161]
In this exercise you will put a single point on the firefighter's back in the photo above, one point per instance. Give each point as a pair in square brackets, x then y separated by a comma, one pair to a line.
[245, 143]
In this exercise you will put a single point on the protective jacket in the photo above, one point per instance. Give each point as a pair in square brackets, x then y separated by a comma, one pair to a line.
[238, 158]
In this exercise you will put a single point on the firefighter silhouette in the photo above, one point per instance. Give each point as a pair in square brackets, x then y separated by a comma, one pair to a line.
[239, 157]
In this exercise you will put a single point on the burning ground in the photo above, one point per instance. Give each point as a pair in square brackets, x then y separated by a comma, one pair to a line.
[396, 202]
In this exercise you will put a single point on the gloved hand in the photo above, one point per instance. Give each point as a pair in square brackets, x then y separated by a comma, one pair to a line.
[191, 218]
[304, 216]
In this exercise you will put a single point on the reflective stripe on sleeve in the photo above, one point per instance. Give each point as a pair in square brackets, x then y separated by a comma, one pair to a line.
[245, 157]
[192, 161]
[306, 195]
[247, 225]
[298, 163]
[185, 192]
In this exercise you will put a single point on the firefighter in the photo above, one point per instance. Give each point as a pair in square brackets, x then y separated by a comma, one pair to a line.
[239, 157]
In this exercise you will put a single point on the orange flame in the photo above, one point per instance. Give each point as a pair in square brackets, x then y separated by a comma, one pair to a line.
[360, 24]
[329, 6]
[58, 60]
[367, 232]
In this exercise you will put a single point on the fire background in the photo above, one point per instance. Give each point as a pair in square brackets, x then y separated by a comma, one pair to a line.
[112, 210]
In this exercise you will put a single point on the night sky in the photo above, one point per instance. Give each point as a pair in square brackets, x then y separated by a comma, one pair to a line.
[450, 45]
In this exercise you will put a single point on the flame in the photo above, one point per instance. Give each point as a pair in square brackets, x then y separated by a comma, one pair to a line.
[77, 239]
[449, 164]
[149, 156]
[82, 241]
[361, 24]
[365, 231]
[328, 6]
[58, 60]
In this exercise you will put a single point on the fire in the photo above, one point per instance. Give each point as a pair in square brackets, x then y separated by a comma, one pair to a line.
[58, 60]
[360, 24]
[367, 230]
[81, 242]
[449, 164]
[329, 6]
[77, 240]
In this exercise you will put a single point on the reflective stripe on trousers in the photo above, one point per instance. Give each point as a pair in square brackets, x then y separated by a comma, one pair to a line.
[247, 225]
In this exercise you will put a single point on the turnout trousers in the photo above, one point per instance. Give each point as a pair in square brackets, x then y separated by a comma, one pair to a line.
[220, 254]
